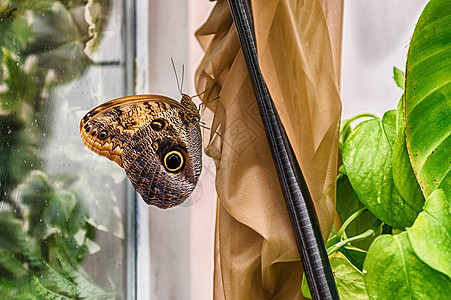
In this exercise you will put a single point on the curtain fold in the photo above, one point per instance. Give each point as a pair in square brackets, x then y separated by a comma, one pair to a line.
[299, 51]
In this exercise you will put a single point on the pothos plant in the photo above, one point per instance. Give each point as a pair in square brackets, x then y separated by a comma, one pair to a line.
[394, 184]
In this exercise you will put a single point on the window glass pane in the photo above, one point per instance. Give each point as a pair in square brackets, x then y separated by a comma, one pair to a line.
[62, 208]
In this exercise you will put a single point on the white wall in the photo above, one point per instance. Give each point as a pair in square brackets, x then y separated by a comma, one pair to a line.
[164, 245]
[175, 253]
[376, 36]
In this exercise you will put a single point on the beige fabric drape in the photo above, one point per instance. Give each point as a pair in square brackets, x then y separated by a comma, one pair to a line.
[299, 51]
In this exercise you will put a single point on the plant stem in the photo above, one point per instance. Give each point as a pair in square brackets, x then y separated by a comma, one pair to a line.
[349, 121]
[350, 219]
[362, 236]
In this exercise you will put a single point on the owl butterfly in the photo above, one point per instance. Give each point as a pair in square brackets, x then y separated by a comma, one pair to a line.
[156, 139]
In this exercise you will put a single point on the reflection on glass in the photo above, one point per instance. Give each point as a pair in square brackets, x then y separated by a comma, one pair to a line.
[61, 226]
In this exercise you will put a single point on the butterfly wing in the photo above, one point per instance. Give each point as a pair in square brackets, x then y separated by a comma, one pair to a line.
[164, 165]
[107, 128]
[154, 138]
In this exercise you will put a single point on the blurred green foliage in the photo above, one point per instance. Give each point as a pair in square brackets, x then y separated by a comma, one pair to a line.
[43, 230]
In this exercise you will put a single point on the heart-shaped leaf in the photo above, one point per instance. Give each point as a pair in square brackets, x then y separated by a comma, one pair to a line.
[368, 160]
[403, 175]
[430, 235]
[392, 270]
[349, 279]
[347, 204]
[398, 76]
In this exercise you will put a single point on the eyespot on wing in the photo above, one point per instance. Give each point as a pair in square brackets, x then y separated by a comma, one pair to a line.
[164, 176]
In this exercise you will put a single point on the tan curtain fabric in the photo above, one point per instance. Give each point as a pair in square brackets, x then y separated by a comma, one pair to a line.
[299, 50]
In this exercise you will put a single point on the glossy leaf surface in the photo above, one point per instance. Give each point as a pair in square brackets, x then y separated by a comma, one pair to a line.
[428, 98]
[392, 270]
[368, 160]
[430, 235]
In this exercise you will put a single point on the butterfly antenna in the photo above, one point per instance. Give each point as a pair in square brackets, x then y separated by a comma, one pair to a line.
[183, 77]
[176, 77]
[206, 90]
[206, 102]
[198, 95]
[202, 124]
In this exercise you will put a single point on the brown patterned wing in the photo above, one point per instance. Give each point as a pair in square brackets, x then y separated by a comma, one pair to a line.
[155, 139]
[107, 128]
[164, 163]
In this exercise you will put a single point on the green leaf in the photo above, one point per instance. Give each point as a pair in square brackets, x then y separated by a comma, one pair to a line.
[11, 229]
[368, 160]
[10, 262]
[344, 133]
[428, 98]
[355, 255]
[347, 204]
[305, 288]
[398, 76]
[403, 176]
[430, 235]
[14, 78]
[346, 128]
[392, 270]
[344, 242]
[349, 279]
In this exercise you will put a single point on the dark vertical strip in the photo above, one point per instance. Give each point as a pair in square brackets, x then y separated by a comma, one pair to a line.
[297, 197]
